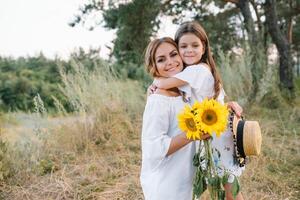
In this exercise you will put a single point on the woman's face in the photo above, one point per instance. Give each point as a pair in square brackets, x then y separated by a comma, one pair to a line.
[167, 60]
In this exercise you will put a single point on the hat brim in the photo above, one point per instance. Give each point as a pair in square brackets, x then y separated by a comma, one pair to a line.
[248, 136]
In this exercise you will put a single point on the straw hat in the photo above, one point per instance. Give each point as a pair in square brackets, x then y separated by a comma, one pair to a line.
[248, 136]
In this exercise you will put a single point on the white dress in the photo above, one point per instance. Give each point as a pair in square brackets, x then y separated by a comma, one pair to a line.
[165, 177]
[200, 86]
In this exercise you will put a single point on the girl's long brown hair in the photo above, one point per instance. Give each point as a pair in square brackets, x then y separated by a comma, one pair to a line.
[150, 54]
[196, 29]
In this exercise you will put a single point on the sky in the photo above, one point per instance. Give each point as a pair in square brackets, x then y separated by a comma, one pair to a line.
[31, 26]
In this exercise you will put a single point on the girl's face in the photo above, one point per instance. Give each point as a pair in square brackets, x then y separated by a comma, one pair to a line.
[191, 49]
[167, 60]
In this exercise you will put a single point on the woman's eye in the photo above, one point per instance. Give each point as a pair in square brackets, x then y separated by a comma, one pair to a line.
[174, 54]
[160, 60]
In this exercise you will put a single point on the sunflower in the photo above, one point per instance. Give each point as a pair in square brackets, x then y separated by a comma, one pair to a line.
[186, 121]
[211, 117]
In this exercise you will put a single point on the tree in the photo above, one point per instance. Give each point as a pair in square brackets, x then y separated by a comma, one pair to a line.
[237, 17]
[223, 34]
[21, 79]
[249, 24]
[283, 46]
[135, 22]
[255, 30]
[296, 44]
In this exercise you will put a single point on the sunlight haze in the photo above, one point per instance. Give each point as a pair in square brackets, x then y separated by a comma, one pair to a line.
[31, 26]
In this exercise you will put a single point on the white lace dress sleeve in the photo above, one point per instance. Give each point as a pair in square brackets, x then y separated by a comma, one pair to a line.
[155, 140]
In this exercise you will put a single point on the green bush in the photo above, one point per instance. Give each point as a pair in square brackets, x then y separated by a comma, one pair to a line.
[47, 166]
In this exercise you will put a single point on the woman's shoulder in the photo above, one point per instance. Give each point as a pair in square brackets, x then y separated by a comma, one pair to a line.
[163, 98]
[159, 104]
[159, 98]
[161, 95]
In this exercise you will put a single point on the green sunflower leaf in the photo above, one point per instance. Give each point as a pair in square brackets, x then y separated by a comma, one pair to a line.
[235, 188]
[221, 194]
[225, 178]
[199, 184]
[196, 161]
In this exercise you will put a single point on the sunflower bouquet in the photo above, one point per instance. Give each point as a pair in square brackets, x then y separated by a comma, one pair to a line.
[207, 117]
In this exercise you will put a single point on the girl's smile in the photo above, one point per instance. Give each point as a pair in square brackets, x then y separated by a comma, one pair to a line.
[191, 49]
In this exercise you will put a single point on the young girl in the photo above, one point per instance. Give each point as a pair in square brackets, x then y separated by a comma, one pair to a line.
[200, 80]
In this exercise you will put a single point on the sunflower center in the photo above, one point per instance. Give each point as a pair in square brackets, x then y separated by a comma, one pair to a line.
[190, 124]
[209, 117]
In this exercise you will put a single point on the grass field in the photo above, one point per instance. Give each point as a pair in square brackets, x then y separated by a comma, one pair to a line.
[67, 164]
[95, 153]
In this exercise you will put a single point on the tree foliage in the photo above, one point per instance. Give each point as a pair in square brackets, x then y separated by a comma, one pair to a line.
[22, 79]
[135, 22]
[229, 23]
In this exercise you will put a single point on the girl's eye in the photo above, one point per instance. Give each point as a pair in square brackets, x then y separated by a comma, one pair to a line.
[183, 46]
[196, 45]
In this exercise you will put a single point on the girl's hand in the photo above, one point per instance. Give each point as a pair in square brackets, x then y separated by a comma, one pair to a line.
[235, 107]
[151, 89]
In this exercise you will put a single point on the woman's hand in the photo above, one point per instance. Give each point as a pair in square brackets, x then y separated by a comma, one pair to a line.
[181, 140]
[151, 89]
[235, 107]
[157, 82]
[154, 86]
[205, 136]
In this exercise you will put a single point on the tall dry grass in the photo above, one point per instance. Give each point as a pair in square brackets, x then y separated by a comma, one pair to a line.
[237, 71]
[236, 75]
[275, 173]
[94, 153]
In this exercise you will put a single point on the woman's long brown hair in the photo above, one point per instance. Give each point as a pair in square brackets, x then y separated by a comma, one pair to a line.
[196, 29]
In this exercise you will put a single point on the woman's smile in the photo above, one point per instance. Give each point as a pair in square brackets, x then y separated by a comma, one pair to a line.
[168, 61]
[172, 68]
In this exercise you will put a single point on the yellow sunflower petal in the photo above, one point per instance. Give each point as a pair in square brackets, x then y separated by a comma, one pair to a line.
[211, 116]
[186, 123]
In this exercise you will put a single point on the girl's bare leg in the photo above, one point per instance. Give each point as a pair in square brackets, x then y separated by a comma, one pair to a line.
[228, 194]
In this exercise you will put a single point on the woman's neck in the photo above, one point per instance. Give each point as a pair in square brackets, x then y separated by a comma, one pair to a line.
[173, 92]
